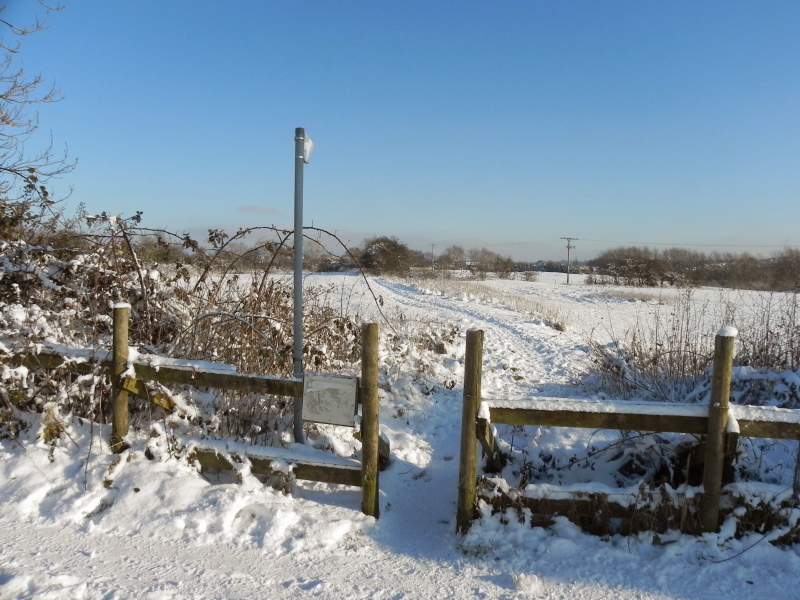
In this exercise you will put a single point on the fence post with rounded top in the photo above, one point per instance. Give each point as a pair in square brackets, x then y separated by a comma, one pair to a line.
[717, 424]
[119, 364]
[369, 420]
[468, 463]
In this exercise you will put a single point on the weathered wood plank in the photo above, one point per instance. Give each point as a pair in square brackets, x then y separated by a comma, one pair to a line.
[598, 420]
[753, 421]
[495, 458]
[598, 512]
[767, 421]
[309, 471]
[257, 384]
[138, 388]
[46, 360]
[769, 429]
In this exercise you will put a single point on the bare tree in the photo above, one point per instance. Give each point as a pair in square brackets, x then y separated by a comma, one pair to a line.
[453, 257]
[25, 201]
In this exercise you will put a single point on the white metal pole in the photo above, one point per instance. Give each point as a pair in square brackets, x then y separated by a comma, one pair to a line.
[297, 355]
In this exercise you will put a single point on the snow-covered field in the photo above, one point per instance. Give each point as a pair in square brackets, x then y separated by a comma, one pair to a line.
[78, 522]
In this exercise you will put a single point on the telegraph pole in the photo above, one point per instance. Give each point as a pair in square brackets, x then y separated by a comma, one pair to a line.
[569, 247]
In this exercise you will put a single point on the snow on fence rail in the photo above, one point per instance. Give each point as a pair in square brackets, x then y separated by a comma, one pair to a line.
[721, 423]
[128, 374]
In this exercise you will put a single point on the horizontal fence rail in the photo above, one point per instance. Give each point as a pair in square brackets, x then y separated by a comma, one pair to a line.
[128, 377]
[719, 422]
[752, 421]
[314, 466]
[162, 370]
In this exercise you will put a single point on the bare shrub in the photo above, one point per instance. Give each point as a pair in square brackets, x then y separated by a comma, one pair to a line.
[638, 295]
[209, 304]
[668, 355]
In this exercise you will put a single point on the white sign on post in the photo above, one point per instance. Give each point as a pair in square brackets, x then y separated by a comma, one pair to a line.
[330, 399]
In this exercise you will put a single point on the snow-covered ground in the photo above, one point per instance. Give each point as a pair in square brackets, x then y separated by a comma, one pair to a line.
[78, 522]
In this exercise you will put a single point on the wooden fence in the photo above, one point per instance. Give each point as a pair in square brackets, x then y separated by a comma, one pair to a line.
[720, 422]
[312, 465]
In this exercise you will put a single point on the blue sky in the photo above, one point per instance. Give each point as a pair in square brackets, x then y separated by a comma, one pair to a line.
[506, 124]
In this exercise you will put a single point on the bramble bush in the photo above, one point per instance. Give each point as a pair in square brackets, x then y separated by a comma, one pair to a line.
[209, 303]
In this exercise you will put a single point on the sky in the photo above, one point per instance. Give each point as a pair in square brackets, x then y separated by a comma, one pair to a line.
[503, 124]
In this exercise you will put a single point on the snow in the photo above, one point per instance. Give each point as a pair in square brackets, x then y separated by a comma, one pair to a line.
[599, 406]
[80, 523]
[732, 425]
[728, 331]
[484, 412]
[79, 355]
[765, 413]
[308, 148]
[307, 453]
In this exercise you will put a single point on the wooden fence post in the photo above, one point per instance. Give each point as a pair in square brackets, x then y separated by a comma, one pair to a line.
[369, 420]
[119, 364]
[468, 463]
[717, 423]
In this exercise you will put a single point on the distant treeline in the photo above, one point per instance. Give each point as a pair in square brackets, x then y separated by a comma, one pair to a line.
[390, 255]
[638, 266]
[630, 265]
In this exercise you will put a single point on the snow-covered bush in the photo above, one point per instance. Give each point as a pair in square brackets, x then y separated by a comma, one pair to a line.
[212, 302]
[668, 355]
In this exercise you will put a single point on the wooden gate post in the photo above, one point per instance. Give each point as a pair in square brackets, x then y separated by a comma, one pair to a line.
[119, 364]
[468, 463]
[717, 423]
[369, 420]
